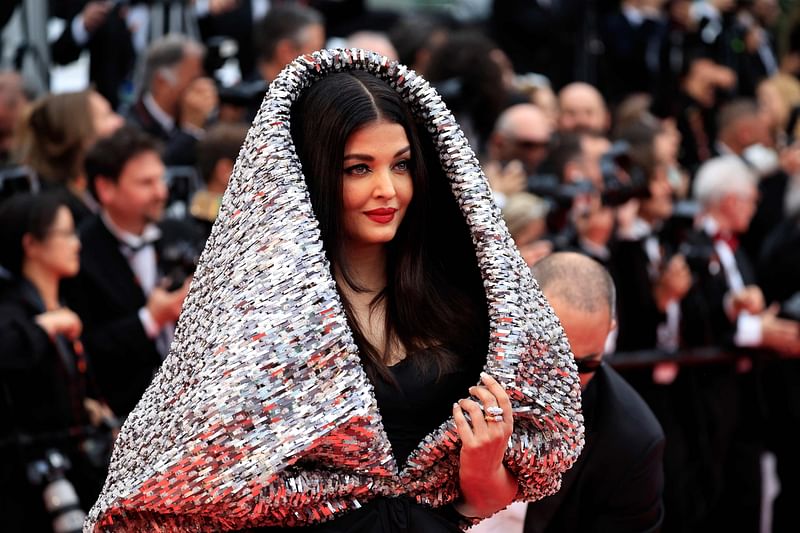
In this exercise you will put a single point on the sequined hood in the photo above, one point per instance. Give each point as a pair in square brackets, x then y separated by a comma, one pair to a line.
[262, 413]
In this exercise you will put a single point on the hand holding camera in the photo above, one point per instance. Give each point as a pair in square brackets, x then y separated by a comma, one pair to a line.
[165, 306]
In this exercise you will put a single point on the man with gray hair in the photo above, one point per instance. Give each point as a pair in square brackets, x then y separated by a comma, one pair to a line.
[725, 306]
[617, 483]
[176, 100]
[288, 30]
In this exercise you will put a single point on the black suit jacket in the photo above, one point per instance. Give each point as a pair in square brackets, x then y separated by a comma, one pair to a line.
[703, 318]
[179, 146]
[625, 65]
[107, 297]
[779, 264]
[111, 53]
[638, 315]
[769, 213]
[616, 484]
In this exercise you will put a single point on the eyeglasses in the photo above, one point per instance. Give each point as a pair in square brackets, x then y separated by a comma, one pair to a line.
[64, 233]
[531, 144]
[589, 364]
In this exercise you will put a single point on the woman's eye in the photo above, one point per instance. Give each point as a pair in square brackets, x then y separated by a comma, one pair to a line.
[357, 170]
[403, 165]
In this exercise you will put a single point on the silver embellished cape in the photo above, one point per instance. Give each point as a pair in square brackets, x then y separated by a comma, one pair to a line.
[262, 413]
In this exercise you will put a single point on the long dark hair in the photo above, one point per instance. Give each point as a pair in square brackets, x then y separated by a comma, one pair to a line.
[435, 304]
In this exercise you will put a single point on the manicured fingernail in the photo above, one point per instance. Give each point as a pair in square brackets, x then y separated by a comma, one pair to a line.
[484, 376]
[455, 406]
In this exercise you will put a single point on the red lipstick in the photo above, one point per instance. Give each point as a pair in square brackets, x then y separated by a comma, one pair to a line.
[381, 215]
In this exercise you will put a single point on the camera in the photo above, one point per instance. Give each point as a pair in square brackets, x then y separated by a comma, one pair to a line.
[622, 181]
[178, 261]
[60, 498]
[16, 179]
[182, 183]
[247, 94]
[550, 187]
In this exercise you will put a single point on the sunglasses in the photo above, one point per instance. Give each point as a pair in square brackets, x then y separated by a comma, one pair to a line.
[589, 364]
[529, 144]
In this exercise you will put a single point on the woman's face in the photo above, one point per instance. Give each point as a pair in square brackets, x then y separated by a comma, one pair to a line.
[59, 251]
[667, 143]
[104, 119]
[377, 183]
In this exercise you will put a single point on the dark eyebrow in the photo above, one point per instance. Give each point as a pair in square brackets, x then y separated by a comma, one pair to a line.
[365, 157]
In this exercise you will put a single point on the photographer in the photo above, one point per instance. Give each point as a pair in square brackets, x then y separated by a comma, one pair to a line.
[127, 305]
[48, 397]
[726, 308]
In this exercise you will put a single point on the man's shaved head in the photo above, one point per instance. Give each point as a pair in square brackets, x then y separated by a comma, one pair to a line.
[582, 296]
[577, 279]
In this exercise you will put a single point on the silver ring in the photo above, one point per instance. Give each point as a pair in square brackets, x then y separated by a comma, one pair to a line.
[494, 418]
[494, 410]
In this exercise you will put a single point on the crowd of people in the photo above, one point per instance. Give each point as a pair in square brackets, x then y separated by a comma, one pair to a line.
[657, 137]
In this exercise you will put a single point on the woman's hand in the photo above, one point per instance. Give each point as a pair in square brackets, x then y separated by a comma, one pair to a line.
[60, 322]
[485, 483]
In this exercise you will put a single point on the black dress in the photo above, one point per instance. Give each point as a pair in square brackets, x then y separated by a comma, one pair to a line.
[417, 405]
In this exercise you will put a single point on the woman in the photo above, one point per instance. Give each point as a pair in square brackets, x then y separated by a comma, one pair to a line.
[337, 315]
[56, 134]
[43, 371]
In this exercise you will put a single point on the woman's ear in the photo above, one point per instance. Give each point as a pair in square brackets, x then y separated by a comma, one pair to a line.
[29, 245]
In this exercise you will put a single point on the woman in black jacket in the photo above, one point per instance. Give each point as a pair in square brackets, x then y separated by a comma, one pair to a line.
[46, 398]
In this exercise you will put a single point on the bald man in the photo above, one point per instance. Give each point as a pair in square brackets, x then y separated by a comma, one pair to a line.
[582, 108]
[522, 132]
[617, 483]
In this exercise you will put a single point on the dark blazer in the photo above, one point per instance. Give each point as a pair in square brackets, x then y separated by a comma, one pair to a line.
[42, 388]
[779, 264]
[703, 318]
[638, 315]
[111, 53]
[42, 385]
[107, 297]
[625, 62]
[179, 146]
[616, 484]
[769, 213]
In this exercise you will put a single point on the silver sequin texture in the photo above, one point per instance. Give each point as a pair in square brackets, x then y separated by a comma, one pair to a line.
[262, 413]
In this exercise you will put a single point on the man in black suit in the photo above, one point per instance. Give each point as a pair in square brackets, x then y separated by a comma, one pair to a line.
[176, 100]
[126, 307]
[726, 308]
[100, 27]
[617, 483]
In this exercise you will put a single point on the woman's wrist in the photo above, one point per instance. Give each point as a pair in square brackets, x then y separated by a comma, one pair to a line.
[484, 495]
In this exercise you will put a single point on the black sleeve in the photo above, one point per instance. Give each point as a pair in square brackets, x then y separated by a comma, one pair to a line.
[180, 149]
[636, 505]
[638, 315]
[65, 50]
[122, 357]
[22, 342]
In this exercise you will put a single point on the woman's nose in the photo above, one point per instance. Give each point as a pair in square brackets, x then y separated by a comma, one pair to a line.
[384, 184]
